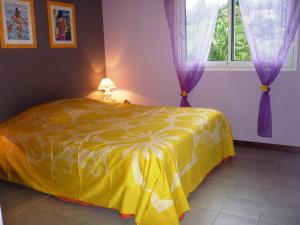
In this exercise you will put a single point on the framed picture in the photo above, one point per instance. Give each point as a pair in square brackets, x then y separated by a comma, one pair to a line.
[62, 25]
[17, 24]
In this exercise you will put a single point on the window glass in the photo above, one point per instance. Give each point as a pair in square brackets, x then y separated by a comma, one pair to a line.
[219, 46]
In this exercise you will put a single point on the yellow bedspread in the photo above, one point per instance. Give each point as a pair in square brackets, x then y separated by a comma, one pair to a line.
[141, 160]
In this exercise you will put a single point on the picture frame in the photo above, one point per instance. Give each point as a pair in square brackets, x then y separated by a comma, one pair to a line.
[17, 24]
[62, 25]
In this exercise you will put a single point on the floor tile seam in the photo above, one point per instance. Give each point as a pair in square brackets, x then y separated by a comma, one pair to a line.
[219, 212]
[231, 194]
[248, 199]
[15, 196]
[251, 184]
[27, 205]
[259, 220]
[244, 217]
[240, 182]
[241, 217]
[278, 166]
[278, 176]
[282, 206]
[290, 176]
[267, 199]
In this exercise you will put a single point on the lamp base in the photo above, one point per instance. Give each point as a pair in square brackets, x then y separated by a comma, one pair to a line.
[107, 96]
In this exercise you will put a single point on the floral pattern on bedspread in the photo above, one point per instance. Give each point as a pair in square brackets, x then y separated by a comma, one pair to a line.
[141, 160]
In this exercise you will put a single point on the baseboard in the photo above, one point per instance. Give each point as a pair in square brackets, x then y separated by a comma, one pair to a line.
[250, 144]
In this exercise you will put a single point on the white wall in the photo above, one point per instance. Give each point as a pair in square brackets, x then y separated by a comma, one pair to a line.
[139, 60]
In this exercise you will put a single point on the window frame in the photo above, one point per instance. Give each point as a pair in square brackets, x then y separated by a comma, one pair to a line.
[229, 65]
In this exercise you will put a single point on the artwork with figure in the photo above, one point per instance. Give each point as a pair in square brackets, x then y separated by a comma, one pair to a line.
[63, 25]
[17, 24]
[17, 21]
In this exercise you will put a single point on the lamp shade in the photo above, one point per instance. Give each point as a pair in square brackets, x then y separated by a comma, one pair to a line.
[106, 83]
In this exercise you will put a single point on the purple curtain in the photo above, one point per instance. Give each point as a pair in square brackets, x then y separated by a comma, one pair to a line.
[191, 42]
[270, 27]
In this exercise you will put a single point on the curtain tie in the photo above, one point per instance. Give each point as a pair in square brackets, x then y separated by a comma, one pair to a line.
[265, 88]
[184, 93]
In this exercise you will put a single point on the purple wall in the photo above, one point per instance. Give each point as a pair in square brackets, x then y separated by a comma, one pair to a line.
[138, 58]
[33, 76]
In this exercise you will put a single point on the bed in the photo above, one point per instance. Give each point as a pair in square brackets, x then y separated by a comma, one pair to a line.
[140, 160]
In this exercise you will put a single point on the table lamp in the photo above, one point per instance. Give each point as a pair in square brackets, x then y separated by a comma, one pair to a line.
[106, 84]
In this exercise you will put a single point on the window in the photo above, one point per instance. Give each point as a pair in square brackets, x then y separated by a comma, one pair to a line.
[229, 49]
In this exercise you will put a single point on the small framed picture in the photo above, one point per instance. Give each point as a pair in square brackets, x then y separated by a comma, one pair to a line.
[62, 25]
[17, 24]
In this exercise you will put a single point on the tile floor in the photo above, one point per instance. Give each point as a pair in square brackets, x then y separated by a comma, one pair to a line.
[257, 187]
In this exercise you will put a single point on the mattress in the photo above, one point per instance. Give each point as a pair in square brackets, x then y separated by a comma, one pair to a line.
[140, 160]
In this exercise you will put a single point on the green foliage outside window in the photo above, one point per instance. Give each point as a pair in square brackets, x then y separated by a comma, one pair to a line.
[219, 46]
[241, 50]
